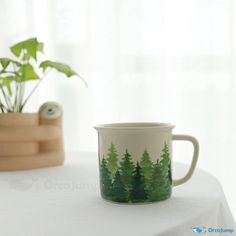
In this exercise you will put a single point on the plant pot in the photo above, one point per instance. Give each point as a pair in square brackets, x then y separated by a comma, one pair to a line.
[30, 140]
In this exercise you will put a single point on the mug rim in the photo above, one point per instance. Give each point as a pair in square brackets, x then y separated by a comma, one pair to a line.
[134, 125]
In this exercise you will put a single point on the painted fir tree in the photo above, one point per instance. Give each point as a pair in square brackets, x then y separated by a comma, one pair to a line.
[126, 169]
[154, 193]
[112, 160]
[170, 173]
[138, 192]
[105, 180]
[164, 189]
[147, 168]
[119, 192]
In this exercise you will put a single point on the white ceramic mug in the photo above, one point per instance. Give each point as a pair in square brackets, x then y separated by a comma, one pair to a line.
[135, 161]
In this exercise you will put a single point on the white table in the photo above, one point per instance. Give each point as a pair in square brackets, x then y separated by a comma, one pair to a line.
[65, 201]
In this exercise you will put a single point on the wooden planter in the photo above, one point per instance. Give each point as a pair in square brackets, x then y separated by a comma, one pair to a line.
[30, 140]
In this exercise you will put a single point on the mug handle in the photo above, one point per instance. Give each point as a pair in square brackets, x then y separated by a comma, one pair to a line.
[194, 158]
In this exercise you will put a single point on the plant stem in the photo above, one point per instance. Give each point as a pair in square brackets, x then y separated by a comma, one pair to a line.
[16, 89]
[8, 72]
[16, 96]
[2, 107]
[84, 81]
[21, 96]
[19, 106]
[33, 90]
[7, 100]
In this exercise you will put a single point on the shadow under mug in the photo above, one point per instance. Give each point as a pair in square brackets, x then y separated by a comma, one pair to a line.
[135, 161]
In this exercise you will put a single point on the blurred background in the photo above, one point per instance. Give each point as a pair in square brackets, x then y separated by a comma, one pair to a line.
[144, 60]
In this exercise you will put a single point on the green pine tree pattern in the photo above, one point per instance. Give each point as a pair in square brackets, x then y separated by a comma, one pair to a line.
[164, 188]
[112, 160]
[105, 180]
[138, 192]
[147, 168]
[169, 173]
[120, 193]
[145, 182]
[126, 169]
[155, 183]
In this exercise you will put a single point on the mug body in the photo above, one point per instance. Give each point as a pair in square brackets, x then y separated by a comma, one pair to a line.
[135, 161]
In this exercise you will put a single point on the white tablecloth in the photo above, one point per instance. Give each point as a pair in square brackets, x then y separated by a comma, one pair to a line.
[65, 201]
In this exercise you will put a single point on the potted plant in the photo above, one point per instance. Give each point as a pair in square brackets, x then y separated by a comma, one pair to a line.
[29, 140]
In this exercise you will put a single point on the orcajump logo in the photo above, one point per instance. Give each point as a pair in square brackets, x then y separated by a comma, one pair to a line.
[199, 230]
[203, 230]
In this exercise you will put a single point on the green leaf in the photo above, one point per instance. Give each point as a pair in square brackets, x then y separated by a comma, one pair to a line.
[6, 61]
[40, 47]
[8, 85]
[63, 68]
[26, 57]
[27, 73]
[6, 81]
[32, 46]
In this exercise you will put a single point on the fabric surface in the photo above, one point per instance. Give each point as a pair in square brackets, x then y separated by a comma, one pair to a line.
[66, 201]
